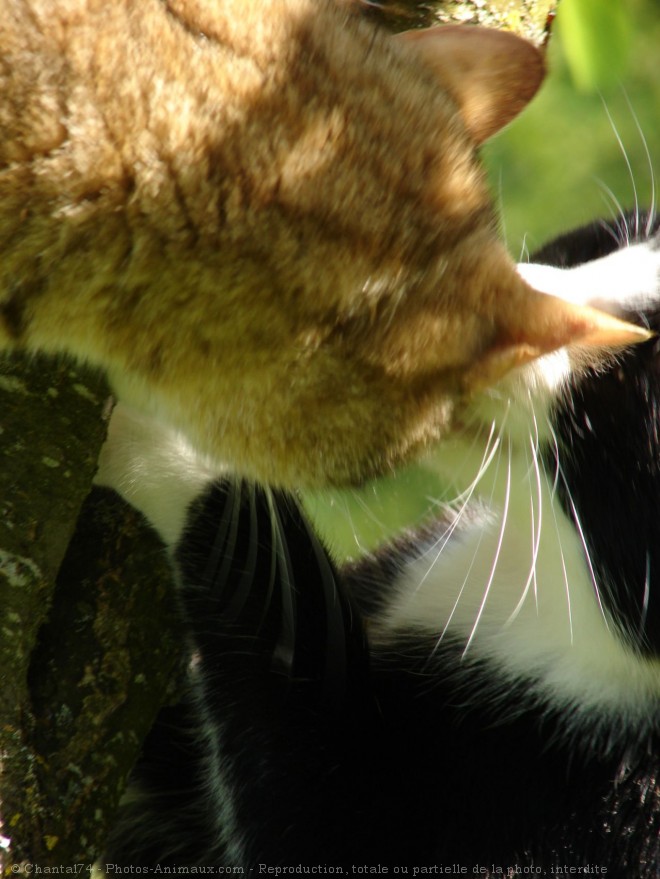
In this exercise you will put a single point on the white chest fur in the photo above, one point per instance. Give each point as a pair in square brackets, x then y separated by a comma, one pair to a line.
[514, 583]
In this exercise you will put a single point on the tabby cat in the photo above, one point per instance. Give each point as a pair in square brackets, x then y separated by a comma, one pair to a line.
[267, 222]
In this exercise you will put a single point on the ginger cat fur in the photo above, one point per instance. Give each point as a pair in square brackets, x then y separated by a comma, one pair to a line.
[267, 222]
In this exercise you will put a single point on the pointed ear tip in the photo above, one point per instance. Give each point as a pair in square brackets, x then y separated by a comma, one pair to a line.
[613, 333]
[546, 323]
[589, 327]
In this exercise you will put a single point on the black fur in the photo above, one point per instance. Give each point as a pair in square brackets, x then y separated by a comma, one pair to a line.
[340, 754]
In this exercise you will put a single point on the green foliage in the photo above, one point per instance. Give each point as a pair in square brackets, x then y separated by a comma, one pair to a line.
[558, 166]
[597, 36]
[562, 162]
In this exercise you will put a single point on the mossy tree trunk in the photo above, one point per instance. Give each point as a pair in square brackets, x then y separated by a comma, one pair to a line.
[529, 18]
[88, 643]
[83, 583]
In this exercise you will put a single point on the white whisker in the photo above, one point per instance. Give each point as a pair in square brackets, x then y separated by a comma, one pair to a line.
[464, 499]
[583, 541]
[562, 558]
[505, 512]
[284, 650]
[628, 166]
[651, 216]
[647, 595]
[219, 560]
[486, 461]
[617, 214]
[553, 498]
[274, 550]
[524, 251]
[238, 599]
[489, 454]
[536, 542]
[466, 579]
[555, 445]
[607, 227]
[536, 530]
[354, 528]
[369, 509]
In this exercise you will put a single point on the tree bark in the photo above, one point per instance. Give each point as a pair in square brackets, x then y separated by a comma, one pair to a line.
[529, 18]
[84, 587]
[88, 641]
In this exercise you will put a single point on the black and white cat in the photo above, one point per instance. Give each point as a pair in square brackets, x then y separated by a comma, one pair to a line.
[480, 695]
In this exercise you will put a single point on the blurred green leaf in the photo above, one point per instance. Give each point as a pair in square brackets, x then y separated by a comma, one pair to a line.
[597, 38]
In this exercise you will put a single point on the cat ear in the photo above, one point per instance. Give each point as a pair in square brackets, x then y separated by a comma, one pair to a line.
[540, 323]
[491, 74]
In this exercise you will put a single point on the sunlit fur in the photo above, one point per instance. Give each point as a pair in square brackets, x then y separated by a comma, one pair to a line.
[483, 689]
[513, 584]
[265, 220]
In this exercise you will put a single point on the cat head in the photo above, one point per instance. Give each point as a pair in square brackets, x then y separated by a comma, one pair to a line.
[269, 224]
